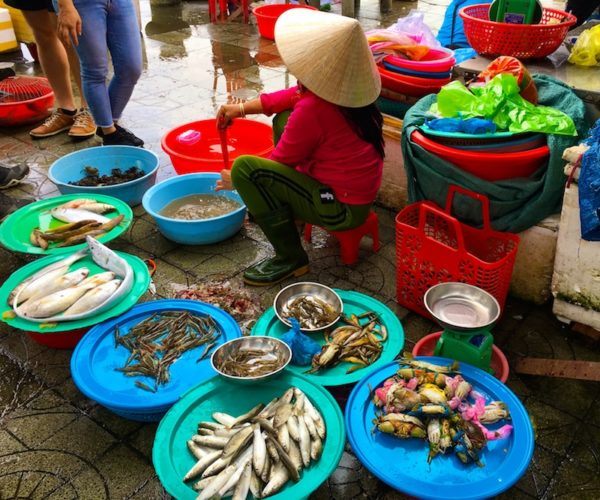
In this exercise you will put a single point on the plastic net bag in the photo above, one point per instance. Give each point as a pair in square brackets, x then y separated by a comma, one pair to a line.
[586, 51]
[302, 346]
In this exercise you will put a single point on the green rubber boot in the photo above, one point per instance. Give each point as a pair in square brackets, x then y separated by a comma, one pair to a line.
[290, 258]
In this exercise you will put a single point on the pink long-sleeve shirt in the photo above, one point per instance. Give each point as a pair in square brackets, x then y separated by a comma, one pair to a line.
[318, 141]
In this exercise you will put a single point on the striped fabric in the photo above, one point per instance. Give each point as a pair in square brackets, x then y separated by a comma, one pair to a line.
[8, 40]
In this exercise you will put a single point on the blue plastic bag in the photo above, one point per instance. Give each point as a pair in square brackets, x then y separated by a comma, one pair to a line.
[589, 188]
[302, 346]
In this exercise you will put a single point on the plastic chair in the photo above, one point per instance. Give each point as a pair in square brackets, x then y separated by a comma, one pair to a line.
[212, 10]
[350, 240]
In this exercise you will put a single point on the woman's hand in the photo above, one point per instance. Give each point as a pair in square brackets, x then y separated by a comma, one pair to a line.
[69, 24]
[224, 184]
[226, 114]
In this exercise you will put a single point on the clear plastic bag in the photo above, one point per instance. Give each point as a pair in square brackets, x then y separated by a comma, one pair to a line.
[586, 51]
[414, 26]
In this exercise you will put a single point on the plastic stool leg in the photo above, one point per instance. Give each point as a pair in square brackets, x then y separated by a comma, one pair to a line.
[246, 10]
[307, 233]
[223, 9]
[349, 250]
[212, 10]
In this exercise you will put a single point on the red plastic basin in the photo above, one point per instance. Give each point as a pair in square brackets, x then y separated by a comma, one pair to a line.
[14, 114]
[244, 137]
[267, 15]
[410, 85]
[436, 60]
[59, 340]
[426, 346]
[487, 166]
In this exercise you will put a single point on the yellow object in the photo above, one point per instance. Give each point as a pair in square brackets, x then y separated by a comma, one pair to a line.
[22, 30]
[8, 41]
[586, 51]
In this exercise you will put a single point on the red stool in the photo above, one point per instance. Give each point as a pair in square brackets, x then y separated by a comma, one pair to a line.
[212, 10]
[350, 240]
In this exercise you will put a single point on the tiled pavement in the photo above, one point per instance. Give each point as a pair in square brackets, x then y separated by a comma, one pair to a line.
[55, 443]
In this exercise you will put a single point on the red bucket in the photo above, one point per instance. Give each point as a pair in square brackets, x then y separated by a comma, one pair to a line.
[59, 340]
[244, 137]
[267, 15]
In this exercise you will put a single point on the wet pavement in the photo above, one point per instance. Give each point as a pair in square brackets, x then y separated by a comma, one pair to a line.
[55, 443]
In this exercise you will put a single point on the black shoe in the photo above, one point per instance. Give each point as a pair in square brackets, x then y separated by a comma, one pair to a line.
[11, 176]
[133, 138]
[121, 137]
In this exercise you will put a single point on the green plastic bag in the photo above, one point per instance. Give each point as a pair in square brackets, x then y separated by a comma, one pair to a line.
[499, 100]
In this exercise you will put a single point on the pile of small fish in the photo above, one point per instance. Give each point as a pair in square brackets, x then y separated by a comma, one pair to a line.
[353, 343]
[249, 361]
[424, 401]
[310, 311]
[72, 295]
[82, 217]
[159, 340]
[93, 178]
[257, 452]
[233, 299]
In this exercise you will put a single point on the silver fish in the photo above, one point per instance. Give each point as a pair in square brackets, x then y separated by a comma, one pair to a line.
[316, 448]
[237, 442]
[255, 485]
[232, 480]
[316, 416]
[93, 206]
[216, 467]
[223, 418]
[272, 451]
[278, 479]
[295, 456]
[259, 452]
[249, 415]
[285, 399]
[243, 485]
[285, 460]
[77, 203]
[292, 425]
[283, 436]
[195, 450]
[282, 414]
[266, 473]
[99, 279]
[310, 425]
[94, 297]
[304, 442]
[54, 303]
[76, 215]
[210, 425]
[217, 442]
[201, 465]
[65, 281]
[33, 288]
[217, 483]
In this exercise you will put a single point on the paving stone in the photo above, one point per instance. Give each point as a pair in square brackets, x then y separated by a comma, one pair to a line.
[113, 423]
[343, 491]
[143, 439]
[8, 444]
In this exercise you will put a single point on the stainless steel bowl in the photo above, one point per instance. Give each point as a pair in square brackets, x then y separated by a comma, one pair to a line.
[291, 292]
[461, 307]
[259, 342]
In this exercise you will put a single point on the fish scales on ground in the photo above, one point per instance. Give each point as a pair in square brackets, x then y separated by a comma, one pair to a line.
[240, 465]
[358, 341]
[310, 311]
[449, 416]
[159, 340]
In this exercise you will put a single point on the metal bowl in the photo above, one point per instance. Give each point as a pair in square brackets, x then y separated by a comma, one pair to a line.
[296, 290]
[258, 342]
[461, 307]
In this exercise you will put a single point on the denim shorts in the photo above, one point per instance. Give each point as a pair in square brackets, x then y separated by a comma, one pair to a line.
[30, 4]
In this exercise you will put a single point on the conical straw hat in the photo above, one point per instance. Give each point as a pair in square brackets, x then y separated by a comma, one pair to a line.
[329, 55]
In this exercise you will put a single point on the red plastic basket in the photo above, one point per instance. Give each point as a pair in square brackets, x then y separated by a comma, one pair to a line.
[525, 41]
[432, 247]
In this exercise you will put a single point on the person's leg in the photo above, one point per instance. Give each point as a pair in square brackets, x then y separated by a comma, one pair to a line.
[125, 45]
[53, 56]
[277, 195]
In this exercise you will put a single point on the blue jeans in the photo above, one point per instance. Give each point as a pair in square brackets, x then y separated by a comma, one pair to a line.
[108, 26]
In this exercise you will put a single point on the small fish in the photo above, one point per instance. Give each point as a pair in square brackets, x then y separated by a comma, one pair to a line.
[283, 436]
[216, 467]
[67, 280]
[54, 303]
[310, 425]
[78, 203]
[255, 485]
[278, 478]
[247, 416]
[285, 460]
[243, 486]
[79, 238]
[293, 429]
[295, 455]
[216, 442]
[196, 450]
[143, 386]
[237, 442]
[201, 465]
[94, 298]
[232, 481]
[316, 448]
[218, 482]
[95, 207]
[76, 215]
[259, 451]
[304, 442]
[35, 286]
[98, 279]
[282, 414]
[223, 418]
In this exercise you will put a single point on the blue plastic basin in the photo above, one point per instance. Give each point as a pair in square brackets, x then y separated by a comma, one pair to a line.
[70, 168]
[192, 232]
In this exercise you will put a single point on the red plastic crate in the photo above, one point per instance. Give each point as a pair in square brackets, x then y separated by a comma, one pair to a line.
[432, 247]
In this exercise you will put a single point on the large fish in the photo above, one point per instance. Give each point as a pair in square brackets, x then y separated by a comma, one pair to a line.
[89, 205]
[76, 215]
[94, 297]
[66, 281]
[40, 279]
[54, 303]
